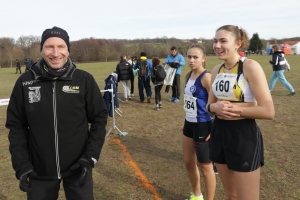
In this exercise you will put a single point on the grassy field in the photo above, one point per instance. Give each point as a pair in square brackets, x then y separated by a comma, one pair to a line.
[148, 162]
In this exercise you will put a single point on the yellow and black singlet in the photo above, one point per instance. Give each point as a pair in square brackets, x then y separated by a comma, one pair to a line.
[232, 86]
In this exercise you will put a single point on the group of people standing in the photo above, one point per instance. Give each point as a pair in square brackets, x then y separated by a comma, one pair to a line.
[27, 61]
[145, 69]
[219, 127]
[221, 107]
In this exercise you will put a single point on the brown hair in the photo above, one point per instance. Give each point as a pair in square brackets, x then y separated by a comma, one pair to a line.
[122, 57]
[155, 61]
[202, 49]
[239, 34]
[275, 47]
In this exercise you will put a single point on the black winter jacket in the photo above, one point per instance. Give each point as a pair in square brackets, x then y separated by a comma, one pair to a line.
[278, 61]
[49, 121]
[124, 70]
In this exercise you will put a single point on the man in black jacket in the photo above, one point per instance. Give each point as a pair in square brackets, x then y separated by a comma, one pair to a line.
[18, 66]
[28, 63]
[48, 118]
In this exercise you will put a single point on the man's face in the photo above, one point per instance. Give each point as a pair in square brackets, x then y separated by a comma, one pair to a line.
[174, 52]
[55, 52]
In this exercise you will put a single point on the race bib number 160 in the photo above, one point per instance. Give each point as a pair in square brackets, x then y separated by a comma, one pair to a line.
[190, 105]
[223, 86]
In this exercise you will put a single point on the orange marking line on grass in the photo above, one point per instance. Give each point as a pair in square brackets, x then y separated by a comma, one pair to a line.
[137, 170]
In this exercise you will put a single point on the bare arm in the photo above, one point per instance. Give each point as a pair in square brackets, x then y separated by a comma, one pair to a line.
[259, 86]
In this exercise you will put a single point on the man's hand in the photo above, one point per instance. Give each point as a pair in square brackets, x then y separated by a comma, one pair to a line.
[86, 168]
[25, 184]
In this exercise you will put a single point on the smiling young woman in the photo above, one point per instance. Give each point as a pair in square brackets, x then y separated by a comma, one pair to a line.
[237, 97]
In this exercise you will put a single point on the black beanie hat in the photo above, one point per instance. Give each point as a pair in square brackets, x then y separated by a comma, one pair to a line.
[55, 32]
[143, 54]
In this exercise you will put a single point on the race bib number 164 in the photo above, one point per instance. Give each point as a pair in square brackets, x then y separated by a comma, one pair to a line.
[190, 105]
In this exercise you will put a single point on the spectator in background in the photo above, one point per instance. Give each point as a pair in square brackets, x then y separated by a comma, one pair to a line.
[131, 62]
[175, 60]
[144, 79]
[125, 74]
[18, 66]
[158, 84]
[56, 124]
[27, 64]
[279, 65]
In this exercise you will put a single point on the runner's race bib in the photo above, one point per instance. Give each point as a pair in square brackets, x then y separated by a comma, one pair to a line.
[190, 105]
[223, 86]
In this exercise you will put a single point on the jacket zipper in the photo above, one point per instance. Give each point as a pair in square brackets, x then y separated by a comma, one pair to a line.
[55, 130]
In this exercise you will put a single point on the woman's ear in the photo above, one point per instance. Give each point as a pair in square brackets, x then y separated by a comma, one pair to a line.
[238, 44]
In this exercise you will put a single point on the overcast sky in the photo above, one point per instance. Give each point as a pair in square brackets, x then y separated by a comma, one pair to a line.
[130, 19]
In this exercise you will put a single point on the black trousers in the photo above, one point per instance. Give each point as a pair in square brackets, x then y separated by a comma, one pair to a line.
[18, 68]
[48, 189]
[157, 90]
[132, 86]
[176, 86]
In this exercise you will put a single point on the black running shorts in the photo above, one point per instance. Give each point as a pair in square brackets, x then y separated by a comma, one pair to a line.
[237, 143]
[198, 131]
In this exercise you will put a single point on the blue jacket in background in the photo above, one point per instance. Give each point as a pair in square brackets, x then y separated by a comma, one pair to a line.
[178, 58]
[107, 96]
[136, 65]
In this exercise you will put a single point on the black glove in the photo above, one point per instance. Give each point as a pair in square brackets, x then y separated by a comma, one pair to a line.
[25, 184]
[86, 168]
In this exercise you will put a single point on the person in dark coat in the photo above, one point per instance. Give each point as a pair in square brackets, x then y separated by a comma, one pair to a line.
[56, 119]
[125, 75]
[144, 81]
[280, 64]
[27, 64]
[158, 84]
[18, 66]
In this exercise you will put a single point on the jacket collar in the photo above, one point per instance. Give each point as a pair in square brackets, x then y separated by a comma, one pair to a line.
[40, 73]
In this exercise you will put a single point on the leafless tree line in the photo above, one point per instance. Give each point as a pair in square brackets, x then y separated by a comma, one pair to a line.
[95, 50]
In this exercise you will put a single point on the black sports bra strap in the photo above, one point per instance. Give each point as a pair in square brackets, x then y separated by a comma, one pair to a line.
[221, 67]
[240, 69]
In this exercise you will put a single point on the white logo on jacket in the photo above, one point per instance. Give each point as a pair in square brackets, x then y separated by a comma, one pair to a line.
[30, 82]
[34, 94]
